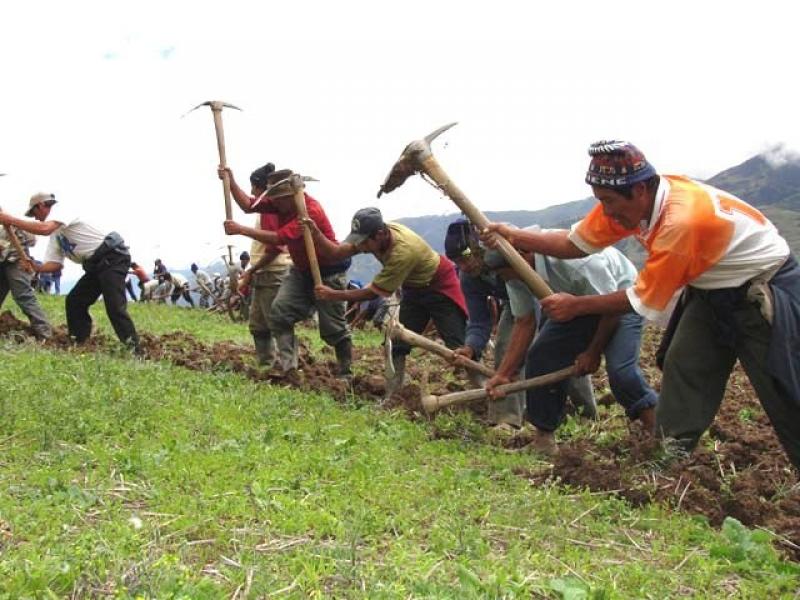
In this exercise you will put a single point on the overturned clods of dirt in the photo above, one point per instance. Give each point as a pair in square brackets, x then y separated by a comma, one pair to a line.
[739, 470]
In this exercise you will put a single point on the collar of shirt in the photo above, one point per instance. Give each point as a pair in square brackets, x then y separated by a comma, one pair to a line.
[658, 206]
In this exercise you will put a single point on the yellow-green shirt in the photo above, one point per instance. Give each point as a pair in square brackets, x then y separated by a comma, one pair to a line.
[410, 261]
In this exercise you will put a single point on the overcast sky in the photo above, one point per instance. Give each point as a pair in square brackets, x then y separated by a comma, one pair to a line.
[93, 93]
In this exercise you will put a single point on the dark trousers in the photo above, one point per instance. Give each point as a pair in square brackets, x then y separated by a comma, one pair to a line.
[178, 292]
[417, 309]
[129, 287]
[107, 277]
[697, 367]
[556, 347]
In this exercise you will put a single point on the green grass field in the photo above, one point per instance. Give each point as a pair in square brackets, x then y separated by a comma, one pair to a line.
[122, 478]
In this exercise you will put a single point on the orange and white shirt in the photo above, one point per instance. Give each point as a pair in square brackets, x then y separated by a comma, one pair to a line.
[697, 235]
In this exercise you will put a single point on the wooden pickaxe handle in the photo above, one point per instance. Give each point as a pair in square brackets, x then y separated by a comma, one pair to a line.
[531, 278]
[223, 162]
[308, 237]
[433, 403]
[398, 332]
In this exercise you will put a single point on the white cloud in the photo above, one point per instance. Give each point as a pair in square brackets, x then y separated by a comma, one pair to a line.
[780, 155]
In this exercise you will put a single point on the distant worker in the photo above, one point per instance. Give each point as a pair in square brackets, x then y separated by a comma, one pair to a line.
[180, 288]
[105, 259]
[159, 268]
[141, 275]
[56, 275]
[203, 286]
[148, 290]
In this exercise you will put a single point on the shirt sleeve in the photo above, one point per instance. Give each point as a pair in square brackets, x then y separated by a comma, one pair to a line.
[290, 231]
[394, 272]
[596, 231]
[54, 252]
[521, 300]
[596, 277]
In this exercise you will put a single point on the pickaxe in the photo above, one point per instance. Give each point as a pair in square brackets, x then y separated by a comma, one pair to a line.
[433, 403]
[216, 111]
[417, 157]
[396, 331]
[298, 183]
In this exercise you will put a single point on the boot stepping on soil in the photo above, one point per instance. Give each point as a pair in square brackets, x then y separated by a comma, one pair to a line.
[502, 432]
[543, 442]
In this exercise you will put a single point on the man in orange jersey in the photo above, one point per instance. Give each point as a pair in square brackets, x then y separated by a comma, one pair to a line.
[731, 274]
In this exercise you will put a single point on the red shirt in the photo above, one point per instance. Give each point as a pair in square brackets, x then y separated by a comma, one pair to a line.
[290, 231]
[140, 273]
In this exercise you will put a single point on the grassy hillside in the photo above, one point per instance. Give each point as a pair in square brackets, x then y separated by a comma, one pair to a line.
[126, 478]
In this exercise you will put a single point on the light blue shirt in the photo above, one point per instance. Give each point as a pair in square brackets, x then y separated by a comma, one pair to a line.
[601, 273]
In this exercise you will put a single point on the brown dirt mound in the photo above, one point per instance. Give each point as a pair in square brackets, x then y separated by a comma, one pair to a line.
[740, 471]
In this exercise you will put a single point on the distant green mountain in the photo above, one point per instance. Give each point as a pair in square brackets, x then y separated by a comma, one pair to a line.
[771, 184]
[761, 183]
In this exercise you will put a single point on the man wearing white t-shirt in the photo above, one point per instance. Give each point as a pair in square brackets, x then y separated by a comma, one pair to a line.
[105, 260]
[180, 287]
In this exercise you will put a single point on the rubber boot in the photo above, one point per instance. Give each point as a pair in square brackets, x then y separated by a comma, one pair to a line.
[265, 349]
[543, 442]
[287, 351]
[580, 390]
[344, 358]
[395, 383]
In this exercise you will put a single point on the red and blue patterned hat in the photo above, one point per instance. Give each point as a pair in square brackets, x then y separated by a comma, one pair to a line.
[617, 164]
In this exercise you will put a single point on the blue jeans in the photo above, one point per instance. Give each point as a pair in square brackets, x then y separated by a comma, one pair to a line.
[556, 347]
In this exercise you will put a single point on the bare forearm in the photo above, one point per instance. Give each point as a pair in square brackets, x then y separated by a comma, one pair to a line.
[242, 198]
[605, 330]
[262, 235]
[50, 267]
[521, 336]
[34, 227]
[330, 249]
[616, 303]
[352, 295]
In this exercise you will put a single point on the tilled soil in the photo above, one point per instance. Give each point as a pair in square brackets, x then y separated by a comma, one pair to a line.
[739, 471]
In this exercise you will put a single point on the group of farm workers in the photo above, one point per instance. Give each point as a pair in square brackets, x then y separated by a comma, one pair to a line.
[717, 272]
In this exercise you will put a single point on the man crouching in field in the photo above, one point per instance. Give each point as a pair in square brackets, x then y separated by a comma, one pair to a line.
[105, 260]
[739, 288]
[429, 284]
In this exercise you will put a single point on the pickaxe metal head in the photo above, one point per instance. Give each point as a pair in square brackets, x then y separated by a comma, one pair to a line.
[214, 104]
[293, 182]
[388, 331]
[410, 160]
